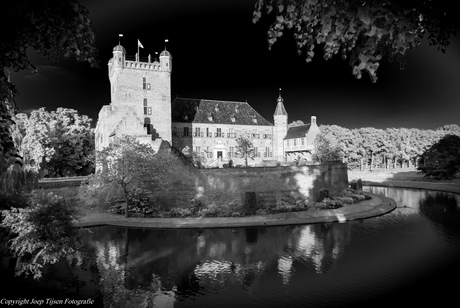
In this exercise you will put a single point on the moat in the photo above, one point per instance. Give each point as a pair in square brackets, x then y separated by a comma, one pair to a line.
[407, 257]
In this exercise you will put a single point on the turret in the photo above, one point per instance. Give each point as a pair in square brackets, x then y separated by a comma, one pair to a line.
[280, 129]
[280, 116]
[166, 61]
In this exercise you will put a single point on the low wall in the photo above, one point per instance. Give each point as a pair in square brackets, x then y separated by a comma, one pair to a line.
[304, 181]
[381, 175]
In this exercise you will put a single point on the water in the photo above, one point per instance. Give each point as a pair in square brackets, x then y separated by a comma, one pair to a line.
[410, 256]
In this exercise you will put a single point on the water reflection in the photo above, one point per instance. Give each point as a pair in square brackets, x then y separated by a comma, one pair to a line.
[192, 263]
[331, 264]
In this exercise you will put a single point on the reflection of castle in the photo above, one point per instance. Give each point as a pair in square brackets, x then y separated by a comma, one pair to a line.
[141, 107]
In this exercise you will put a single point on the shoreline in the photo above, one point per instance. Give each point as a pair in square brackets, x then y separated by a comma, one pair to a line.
[437, 186]
[378, 205]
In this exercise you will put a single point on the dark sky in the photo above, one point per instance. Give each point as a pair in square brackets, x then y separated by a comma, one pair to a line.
[218, 53]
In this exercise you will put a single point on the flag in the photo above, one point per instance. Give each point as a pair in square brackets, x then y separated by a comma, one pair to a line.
[139, 44]
[120, 35]
[166, 40]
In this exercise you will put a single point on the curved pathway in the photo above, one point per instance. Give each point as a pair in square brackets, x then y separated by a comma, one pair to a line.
[377, 206]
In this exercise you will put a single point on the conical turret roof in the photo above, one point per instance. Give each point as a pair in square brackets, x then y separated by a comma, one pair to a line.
[280, 110]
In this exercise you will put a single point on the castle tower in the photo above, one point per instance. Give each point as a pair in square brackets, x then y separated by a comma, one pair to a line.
[280, 129]
[140, 104]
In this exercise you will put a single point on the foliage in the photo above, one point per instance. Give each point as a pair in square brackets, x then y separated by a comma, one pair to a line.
[326, 149]
[244, 148]
[442, 160]
[133, 172]
[369, 148]
[112, 281]
[43, 232]
[124, 165]
[363, 31]
[51, 28]
[60, 142]
[296, 123]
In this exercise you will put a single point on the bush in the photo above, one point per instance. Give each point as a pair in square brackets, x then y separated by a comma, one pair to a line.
[13, 200]
[43, 232]
[323, 193]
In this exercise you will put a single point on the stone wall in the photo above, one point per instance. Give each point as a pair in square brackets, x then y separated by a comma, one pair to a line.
[303, 181]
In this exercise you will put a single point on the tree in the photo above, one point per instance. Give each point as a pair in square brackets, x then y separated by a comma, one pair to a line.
[60, 142]
[442, 160]
[363, 31]
[73, 141]
[51, 28]
[245, 148]
[326, 148]
[125, 164]
[133, 171]
[37, 140]
[43, 233]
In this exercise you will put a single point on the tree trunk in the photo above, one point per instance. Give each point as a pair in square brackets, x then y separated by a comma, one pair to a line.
[126, 202]
[372, 162]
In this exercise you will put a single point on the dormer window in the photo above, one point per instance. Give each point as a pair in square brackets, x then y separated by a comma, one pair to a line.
[254, 119]
[210, 117]
[232, 119]
[216, 107]
[236, 108]
[186, 117]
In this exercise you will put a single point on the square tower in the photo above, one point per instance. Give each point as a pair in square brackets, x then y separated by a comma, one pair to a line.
[141, 90]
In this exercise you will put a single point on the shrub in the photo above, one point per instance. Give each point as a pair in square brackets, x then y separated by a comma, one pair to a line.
[179, 212]
[43, 232]
[323, 193]
[13, 200]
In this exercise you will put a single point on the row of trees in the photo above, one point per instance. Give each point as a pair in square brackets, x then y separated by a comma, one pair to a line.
[369, 148]
[60, 143]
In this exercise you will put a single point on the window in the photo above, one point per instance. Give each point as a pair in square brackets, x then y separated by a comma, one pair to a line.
[145, 106]
[197, 149]
[144, 83]
[231, 133]
[231, 153]
[186, 131]
[287, 142]
[303, 141]
[197, 133]
[208, 134]
[149, 110]
[295, 141]
[148, 86]
[219, 132]
[267, 152]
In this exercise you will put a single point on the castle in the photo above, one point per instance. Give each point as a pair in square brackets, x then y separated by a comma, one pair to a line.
[141, 107]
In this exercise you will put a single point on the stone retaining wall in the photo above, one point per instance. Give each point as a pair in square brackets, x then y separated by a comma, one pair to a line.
[304, 181]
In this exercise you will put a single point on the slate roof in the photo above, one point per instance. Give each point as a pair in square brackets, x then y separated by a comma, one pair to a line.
[280, 110]
[200, 110]
[297, 131]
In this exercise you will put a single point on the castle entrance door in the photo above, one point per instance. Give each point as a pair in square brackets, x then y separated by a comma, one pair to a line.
[219, 154]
